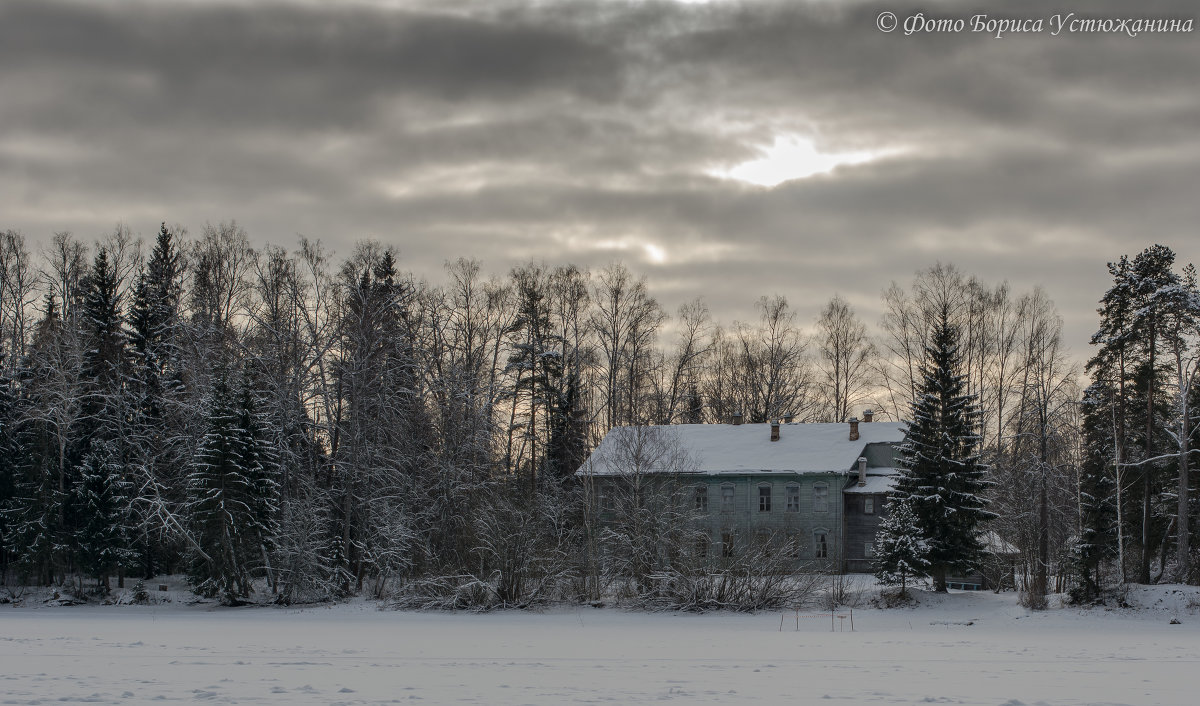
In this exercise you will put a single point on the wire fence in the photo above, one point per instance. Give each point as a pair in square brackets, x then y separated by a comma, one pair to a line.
[837, 621]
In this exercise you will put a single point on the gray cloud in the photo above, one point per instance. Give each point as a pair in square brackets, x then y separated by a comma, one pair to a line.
[583, 130]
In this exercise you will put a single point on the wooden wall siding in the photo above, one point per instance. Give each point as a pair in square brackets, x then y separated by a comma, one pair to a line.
[861, 529]
[746, 519]
[848, 528]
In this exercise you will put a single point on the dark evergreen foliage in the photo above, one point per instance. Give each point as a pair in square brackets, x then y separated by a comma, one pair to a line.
[231, 498]
[103, 509]
[1129, 411]
[942, 477]
[1097, 541]
[371, 431]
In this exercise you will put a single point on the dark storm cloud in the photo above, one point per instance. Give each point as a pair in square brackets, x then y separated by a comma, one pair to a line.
[587, 131]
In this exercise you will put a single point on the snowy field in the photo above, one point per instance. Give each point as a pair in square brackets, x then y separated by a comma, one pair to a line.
[961, 649]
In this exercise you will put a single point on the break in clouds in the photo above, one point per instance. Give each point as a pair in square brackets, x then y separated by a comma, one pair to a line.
[594, 130]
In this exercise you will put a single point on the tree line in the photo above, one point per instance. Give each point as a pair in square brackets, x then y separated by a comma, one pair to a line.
[330, 427]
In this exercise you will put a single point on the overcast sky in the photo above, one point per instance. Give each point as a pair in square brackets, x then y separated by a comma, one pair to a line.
[725, 149]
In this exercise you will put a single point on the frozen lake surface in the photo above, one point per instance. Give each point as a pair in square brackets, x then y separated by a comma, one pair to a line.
[960, 649]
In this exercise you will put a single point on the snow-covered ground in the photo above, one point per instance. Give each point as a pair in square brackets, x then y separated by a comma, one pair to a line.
[970, 648]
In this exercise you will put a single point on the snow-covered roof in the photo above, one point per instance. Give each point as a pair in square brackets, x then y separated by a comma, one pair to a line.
[875, 484]
[994, 543]
[747, 448]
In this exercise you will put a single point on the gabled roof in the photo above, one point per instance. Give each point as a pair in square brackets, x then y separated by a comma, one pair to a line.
[747, 448]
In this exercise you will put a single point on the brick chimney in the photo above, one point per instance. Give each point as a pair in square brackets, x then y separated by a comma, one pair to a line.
[854, 428]
[868, 415]
[737, 419]
[787, 418]
[862, 471]
[774, 431]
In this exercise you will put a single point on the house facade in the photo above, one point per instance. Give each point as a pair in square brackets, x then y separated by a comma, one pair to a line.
[817, 489]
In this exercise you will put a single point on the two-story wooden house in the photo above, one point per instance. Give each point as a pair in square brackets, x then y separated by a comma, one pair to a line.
[820, 487]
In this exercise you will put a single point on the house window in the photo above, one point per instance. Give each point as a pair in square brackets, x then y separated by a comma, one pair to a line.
[869, 550]
[702, 543]
[820, 544]
[764, 498]
[607, 502]
[793, 498]
[727, 496]
[821, 497]
[702, 498]
[727, 539]
[869, 505]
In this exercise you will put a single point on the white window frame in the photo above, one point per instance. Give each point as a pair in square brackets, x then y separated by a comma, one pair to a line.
[821, 497]
[764, 507]
[820, 543]
[793, 498]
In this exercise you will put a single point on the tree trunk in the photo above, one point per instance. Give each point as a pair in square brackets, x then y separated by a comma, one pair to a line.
[1182, 525]
[1144, 569]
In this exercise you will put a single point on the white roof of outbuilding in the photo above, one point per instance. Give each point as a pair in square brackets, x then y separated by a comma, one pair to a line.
[747, 448]
[875, 484]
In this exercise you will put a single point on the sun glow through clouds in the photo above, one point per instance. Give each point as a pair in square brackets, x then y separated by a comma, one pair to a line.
[655, 254]
[793, 157]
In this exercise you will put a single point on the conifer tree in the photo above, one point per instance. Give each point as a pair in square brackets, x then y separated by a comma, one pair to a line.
[155, 380]
[104, 346]
[901, 553]
[1152, 275]
[537, 365]
[154, 321]
[103, 508]
[34, 517]
[942, 476]
[1097, 542]
[230, 505]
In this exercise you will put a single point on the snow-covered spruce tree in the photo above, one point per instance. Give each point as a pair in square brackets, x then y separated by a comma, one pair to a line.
[901, 553]
[102, 505]
[260, 461]
[278, 349]
[103, 339]
[230, 506]
[154, 391]
[154, 318]
[941, 474]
